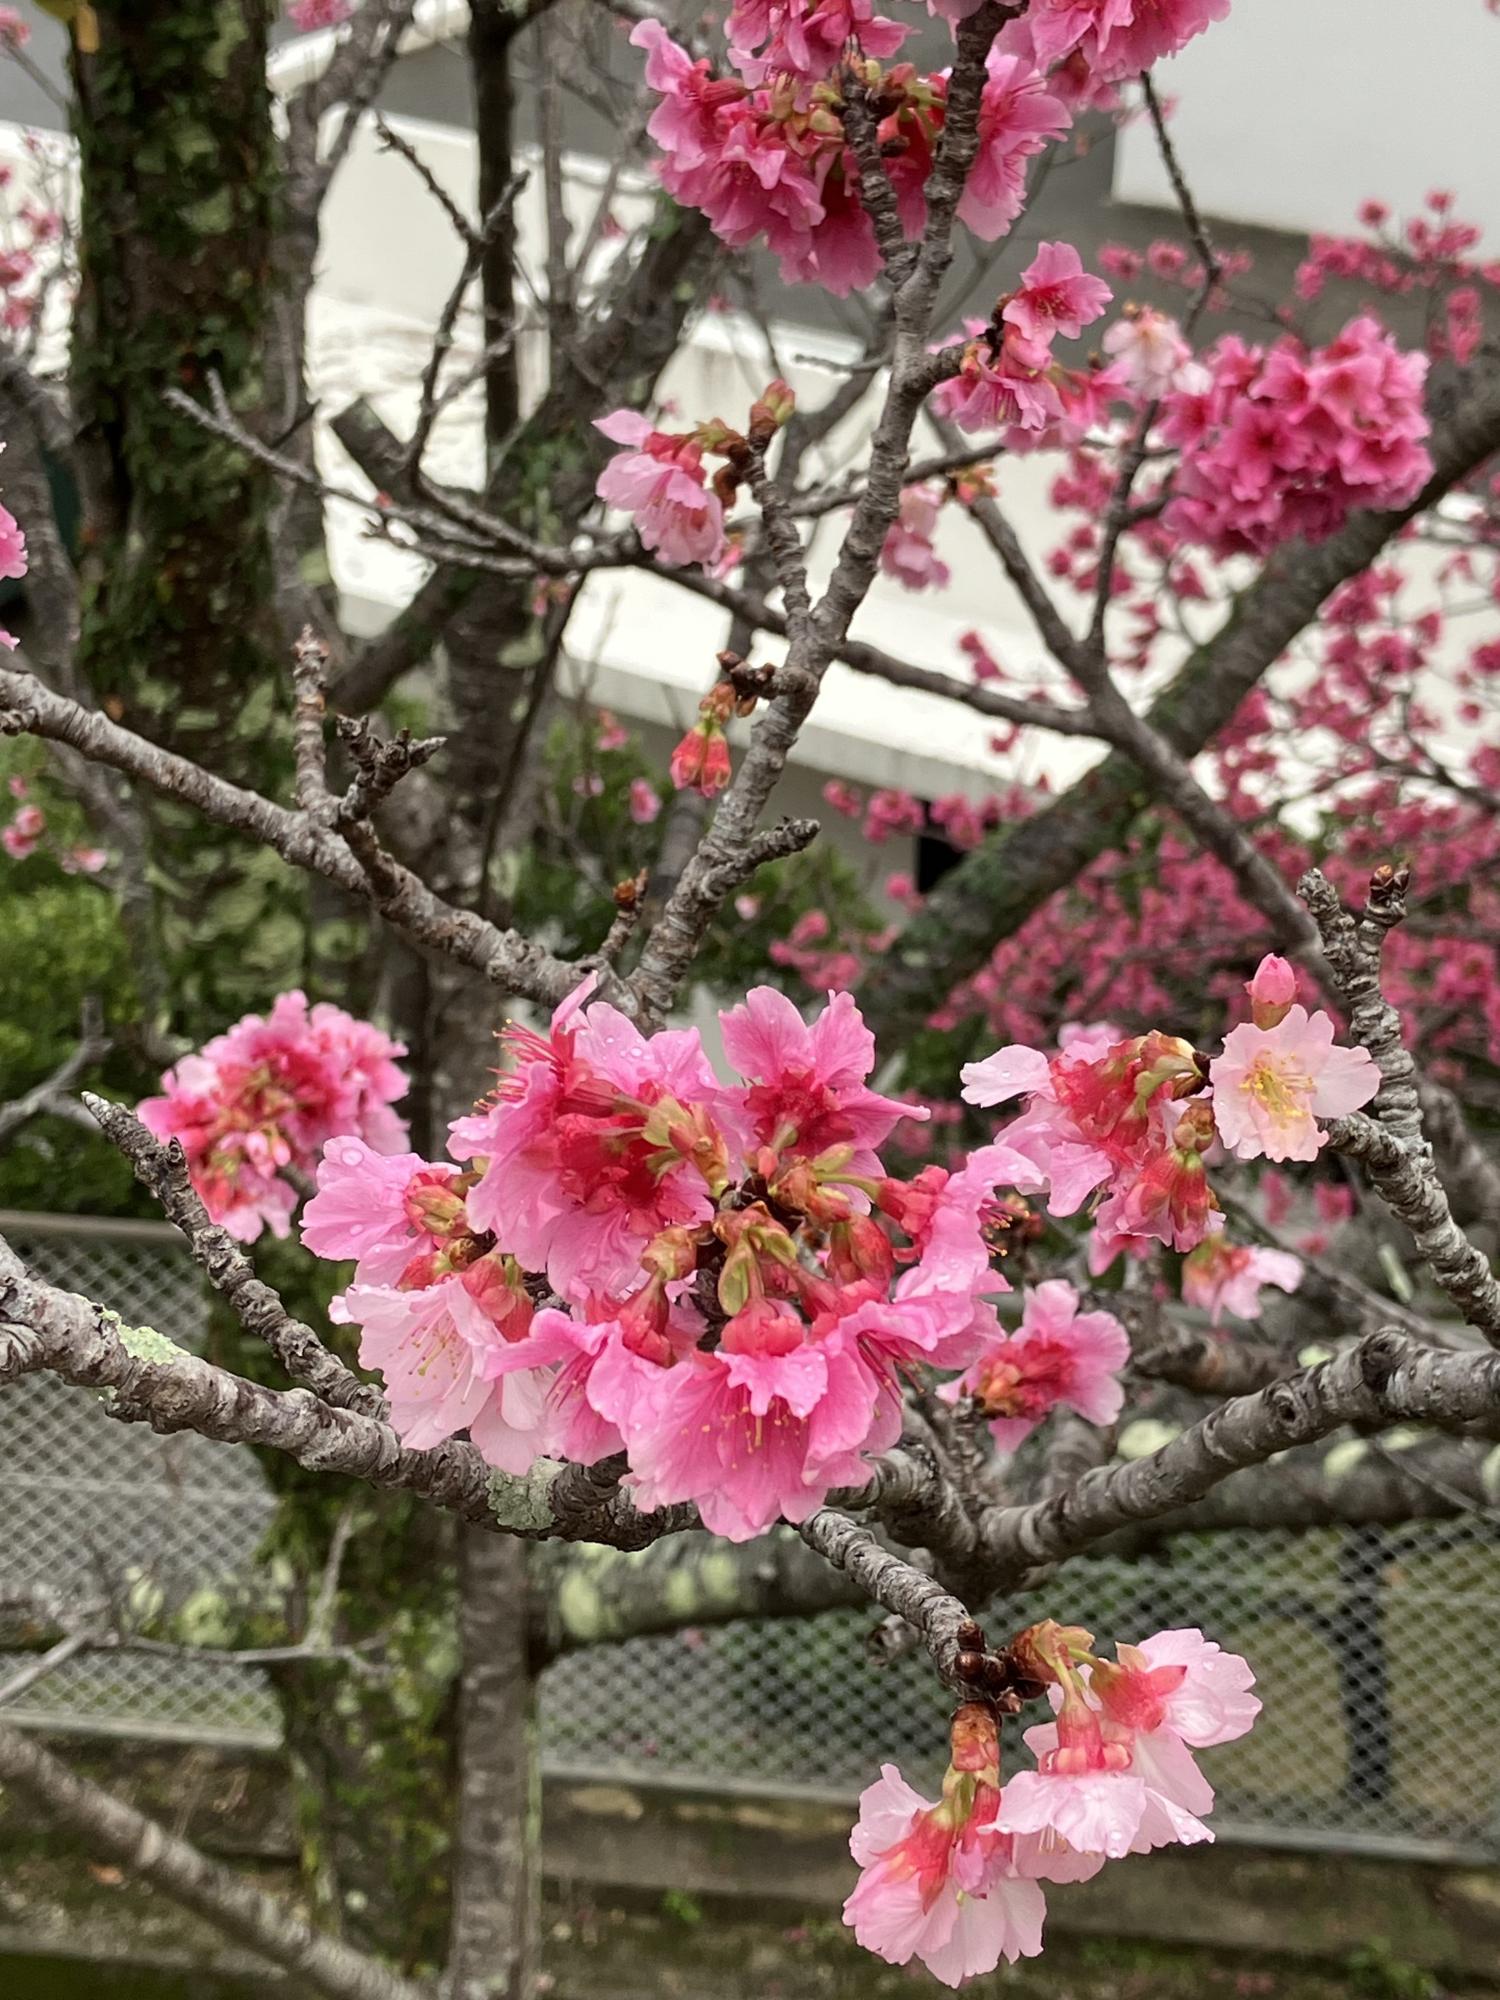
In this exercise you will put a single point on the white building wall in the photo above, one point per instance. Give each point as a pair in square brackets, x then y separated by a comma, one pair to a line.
[1292, 112]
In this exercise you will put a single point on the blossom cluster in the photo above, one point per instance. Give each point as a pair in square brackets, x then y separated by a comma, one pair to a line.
[1136, 1117]
[721, 1280]
[1284, 441]
[255, 1106]
[765, 154]
[956, 1882]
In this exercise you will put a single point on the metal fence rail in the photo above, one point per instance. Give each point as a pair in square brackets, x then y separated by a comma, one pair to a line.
[1379, 1732]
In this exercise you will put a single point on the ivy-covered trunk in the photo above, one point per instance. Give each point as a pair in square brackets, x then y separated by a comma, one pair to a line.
[179, 635]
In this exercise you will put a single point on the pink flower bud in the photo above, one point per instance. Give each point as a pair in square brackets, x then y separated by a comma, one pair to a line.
[1272, 991]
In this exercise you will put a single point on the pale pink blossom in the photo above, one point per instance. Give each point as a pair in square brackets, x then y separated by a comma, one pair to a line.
[937, 1883]
[1057, 1355]
[908, 553]
[661, 483]
[1149, 348]
[1271, 1085]
[15, 32]
[1220, 1277]
[1100, 1794]
[431, 1346]
[83, 861]
[1180, 1682]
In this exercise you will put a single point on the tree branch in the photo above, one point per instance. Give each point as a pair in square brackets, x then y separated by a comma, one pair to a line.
[221, 1895]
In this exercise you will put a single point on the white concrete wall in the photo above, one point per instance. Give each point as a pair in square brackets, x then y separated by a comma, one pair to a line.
[1292, 112]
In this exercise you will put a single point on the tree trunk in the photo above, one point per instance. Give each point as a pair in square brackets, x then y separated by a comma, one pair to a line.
[179, 636]
[497, 1836]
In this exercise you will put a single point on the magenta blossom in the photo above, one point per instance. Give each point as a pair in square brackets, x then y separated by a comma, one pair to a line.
[1055, 296]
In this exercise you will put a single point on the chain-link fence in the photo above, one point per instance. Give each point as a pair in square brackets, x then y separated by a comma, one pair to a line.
[1378, 1650]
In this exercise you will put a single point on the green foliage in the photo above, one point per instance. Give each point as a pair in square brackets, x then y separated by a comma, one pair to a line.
[62, 943]
[560, 887]
[1376, 1973]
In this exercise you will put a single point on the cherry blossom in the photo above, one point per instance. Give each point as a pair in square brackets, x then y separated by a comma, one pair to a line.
[1055, 295]
[1285, 440]
[1178, 1681]
[661, 483]
[1271, 1085]
[266, 1095]
[908, 553]
[573, 1178]
[937, 1880]
[1057, 1355]
[23, 831]
[1113, 39]
[645, 801]
[1150, 351]
[306, 15]
[1222, 1277]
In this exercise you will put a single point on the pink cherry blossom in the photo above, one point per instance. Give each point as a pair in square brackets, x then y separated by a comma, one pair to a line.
[1150, 350]
[1284, 441]
[376, 1208]
[807, 40]
[15, 32]
[267, 1095]
[808, 1089]
[1001, 386]
[1271, 1085]
[305, 15]
[1272, 991]
[12, 545]
[645, 801]
[909, 554]
[937, 1887]
[1058, 1355]
[1221, 1277]
[570, 1182]
[1180, 1682]
[1018, 117]
[1113, 39]
[662, 485]
[758, 1430]
[19, 838]
[1055, 295]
